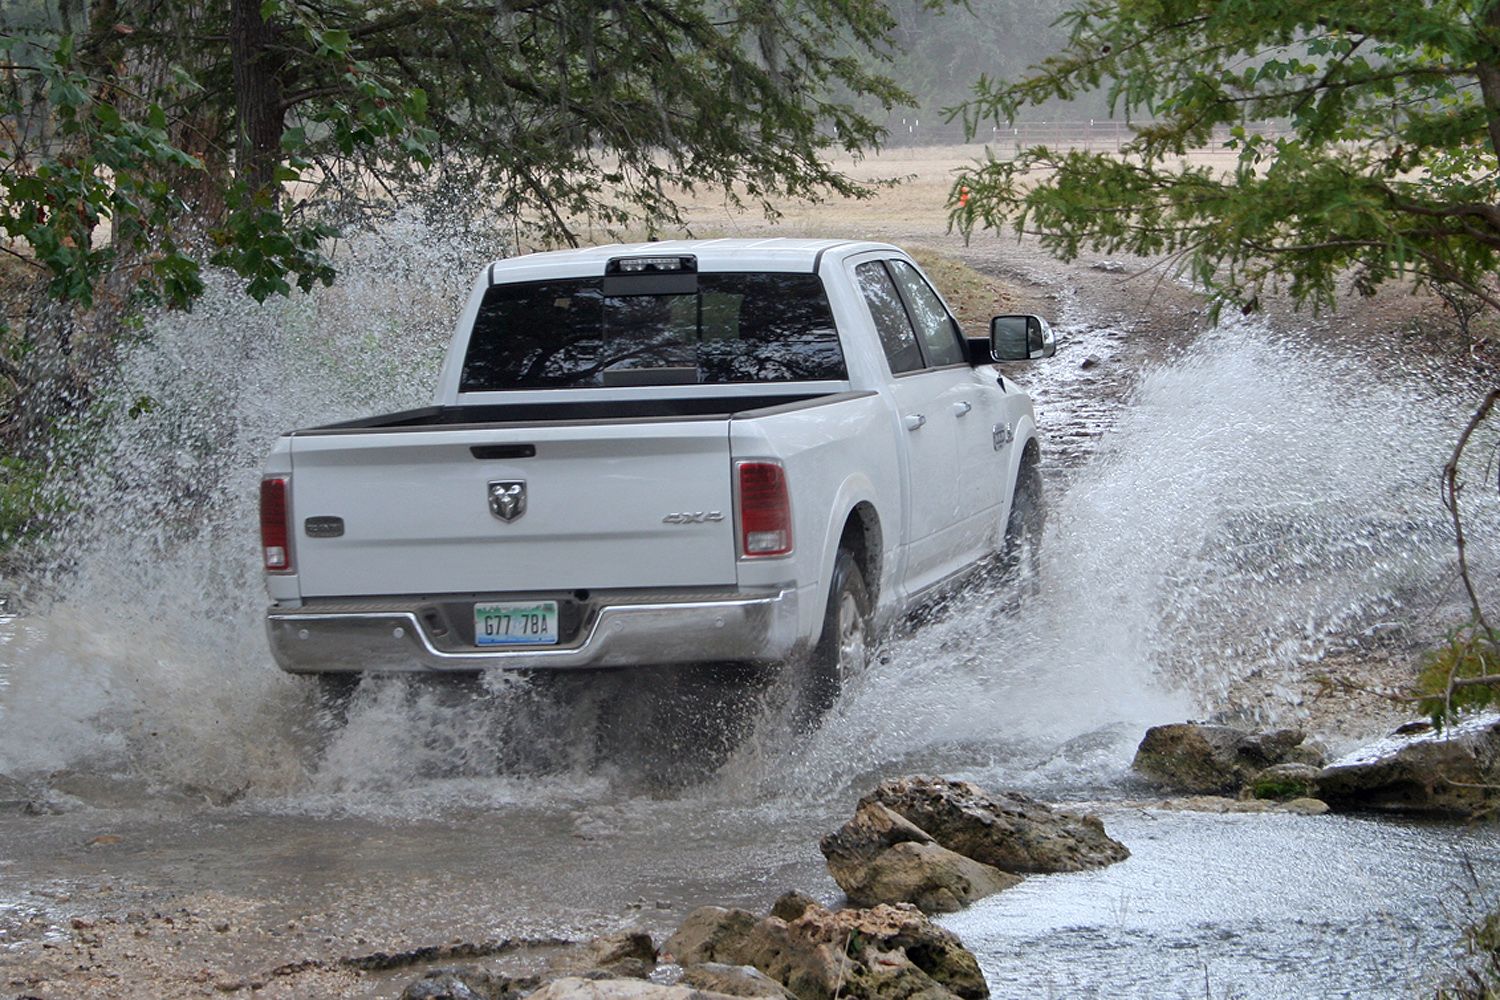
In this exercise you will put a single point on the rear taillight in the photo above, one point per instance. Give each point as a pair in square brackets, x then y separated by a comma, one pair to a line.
[275, 541]
[765, 511]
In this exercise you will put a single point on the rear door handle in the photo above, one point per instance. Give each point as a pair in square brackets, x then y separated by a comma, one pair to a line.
[962, 407]
[913, 421]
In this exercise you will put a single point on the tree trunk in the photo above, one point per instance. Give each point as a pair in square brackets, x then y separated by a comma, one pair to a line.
[1487, 70]
[259, 119]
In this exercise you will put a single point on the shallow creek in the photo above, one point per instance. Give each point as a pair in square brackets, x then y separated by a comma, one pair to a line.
[1222, 513]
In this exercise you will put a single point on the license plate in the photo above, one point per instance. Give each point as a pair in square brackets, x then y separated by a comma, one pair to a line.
[515, 623]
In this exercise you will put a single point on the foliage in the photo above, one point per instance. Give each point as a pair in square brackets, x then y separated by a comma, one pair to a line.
[89, 165]
[1446, 673]
[25, 502]
[570, 113]
[140, 141]
[92, 180]
[1364, 137]
[1281, 788]
[1363, 140]
[556, 115]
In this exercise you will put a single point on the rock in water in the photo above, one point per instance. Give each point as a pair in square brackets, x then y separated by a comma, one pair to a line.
[1453, 774]
[1286, 781]
[578, 988]
[1216, 760]
[622, 946]
[465, 983]
[884, 937]
[811, 966]
[791, 905]
[881, 953]
[880, 857]
[930, 876]
[1008, 831]
[710, 934]
[735, 980]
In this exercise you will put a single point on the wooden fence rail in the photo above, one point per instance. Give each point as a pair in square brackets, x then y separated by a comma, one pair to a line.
[1006, 141]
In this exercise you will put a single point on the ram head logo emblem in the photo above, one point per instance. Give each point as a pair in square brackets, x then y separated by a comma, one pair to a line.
[508, 498]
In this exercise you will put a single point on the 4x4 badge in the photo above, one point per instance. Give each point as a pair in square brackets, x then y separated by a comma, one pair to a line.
[508, 498]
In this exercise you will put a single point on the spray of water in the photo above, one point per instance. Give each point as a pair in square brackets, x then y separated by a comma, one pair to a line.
[1251, 504]
[140, 652]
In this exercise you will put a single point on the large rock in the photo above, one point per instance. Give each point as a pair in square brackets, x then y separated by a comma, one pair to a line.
[1008, 831]
[1457, 774]
[621, 947]
[890, 978]
[791, 905]
[466, 983]
[579, 988]
[735, 980]
[710, 934]
[877, 937]
[622, 955]
[811, 966]
[1216, 760]
[880, 857]
[930, 876]
[881, 953]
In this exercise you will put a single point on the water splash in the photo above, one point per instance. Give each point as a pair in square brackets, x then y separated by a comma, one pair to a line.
[1258, 500]
[142, 652]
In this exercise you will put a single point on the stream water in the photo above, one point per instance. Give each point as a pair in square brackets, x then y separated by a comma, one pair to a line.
[1239, 506]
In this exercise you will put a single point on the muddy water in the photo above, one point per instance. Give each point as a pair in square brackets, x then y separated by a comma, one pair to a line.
[1225, 509]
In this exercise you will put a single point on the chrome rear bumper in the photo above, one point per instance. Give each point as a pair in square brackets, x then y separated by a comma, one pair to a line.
[614, 631]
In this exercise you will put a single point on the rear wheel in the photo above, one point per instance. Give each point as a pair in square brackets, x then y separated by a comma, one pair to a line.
[1021, 559]
[843, 648]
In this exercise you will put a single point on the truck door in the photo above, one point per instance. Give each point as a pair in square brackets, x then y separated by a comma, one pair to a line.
[924, 396]
[982, 427]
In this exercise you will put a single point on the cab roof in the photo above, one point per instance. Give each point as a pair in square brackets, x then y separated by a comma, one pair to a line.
[774, 254]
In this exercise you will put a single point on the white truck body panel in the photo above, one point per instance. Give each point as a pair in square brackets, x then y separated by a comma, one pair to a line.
[841, 451]
[417, 519]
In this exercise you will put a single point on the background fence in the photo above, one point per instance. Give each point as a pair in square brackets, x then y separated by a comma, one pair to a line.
[1091, 136]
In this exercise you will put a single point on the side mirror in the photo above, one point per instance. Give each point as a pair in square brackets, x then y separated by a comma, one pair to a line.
[1021, 338]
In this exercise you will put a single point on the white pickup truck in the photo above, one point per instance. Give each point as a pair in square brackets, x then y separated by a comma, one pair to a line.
[671, 452]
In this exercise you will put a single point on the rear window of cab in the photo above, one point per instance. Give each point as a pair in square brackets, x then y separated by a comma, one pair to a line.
[734, 327]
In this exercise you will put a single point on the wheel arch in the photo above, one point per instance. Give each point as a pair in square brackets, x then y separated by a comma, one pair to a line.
[854, 523]
[1027, 450]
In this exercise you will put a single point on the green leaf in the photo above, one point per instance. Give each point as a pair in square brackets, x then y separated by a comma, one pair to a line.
[336, 40]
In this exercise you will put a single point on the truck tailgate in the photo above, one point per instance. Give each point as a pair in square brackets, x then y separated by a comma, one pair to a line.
[417, 518]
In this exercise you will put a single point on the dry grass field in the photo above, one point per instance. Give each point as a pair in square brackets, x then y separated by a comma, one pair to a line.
[913, 200]
[917, 182]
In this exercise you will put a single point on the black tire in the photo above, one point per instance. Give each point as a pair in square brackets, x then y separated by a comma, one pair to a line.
[843, 647]
[1021, 558]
